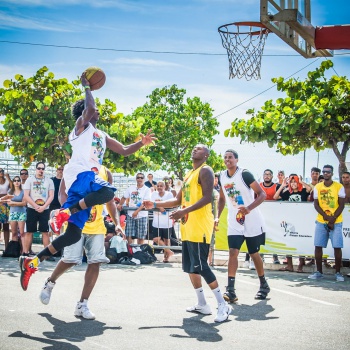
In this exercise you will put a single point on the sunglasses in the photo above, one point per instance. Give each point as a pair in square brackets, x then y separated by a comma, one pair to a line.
[23, 173]
[2, 171]
[39, 168]
[139, 177]
[16, 181]
[60, 169]
[326, 172]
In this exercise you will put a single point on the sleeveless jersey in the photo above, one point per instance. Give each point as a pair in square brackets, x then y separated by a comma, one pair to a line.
[95, 223]
[88, 149]
[269, 190]
[238, 193]
[198, 224]
[328, 199]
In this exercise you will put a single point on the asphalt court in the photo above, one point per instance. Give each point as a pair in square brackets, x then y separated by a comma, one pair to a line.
[144, 307]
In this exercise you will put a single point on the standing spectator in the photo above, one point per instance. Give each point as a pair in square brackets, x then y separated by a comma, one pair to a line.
[136, 222]
[150, 183]
[197, 224]
[329, 203]
[24, 176]
[55, 204]
[216, 182]
[5, 184]
[168, 186]
[18, 212]
[38, 193]
[280, 176]
[242, 194]
[163, 227]
[296, 192]
[270, 188]
[345, 178]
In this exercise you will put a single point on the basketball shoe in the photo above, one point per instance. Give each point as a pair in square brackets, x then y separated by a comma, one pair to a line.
[57, 218]
[28, 266]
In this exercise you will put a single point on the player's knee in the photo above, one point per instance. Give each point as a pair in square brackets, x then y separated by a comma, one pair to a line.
[102, 196]
[208, 275]
[71, 236]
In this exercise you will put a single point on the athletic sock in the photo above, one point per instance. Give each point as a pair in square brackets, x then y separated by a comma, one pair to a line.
[219, 298]
[262, 280]
[231, 282]
[44, 252]
[200, 296]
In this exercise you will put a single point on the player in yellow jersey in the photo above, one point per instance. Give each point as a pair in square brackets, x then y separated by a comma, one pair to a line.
[92, 241]
[197, 222]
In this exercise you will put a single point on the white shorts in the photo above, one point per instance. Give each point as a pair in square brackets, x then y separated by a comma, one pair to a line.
[94, 246]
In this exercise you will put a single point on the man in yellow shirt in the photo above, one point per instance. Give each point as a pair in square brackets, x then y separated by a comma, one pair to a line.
[92, 241]
[329, 200]
[197, 222]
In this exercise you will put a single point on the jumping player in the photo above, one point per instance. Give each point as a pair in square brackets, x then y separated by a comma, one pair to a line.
[83, 186]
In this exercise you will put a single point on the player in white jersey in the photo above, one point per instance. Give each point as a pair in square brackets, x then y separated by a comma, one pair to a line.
[242, 194]
[84, 187]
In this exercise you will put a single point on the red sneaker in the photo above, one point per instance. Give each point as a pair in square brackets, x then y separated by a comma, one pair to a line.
[57, 218]
[28, 266]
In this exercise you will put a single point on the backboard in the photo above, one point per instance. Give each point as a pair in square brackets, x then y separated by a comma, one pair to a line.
[291, 21]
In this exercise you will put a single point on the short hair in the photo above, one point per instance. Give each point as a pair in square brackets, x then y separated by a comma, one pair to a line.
[235, 154]
[36, 165]
[346, 172]
[217, 175]
[161, 182]
[150, 174]
[78, 108]
[269, 171]
[280, 172]
[321, 177]
[140, 174]
[315, 169]
[328, 166]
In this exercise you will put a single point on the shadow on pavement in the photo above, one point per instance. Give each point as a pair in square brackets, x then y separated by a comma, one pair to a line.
[257, 312]
[77, 331]
[195, 328]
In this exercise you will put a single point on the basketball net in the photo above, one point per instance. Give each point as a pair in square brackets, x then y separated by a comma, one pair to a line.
[244, 42]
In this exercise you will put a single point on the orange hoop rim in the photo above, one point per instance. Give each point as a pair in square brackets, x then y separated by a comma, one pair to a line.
[247, 24]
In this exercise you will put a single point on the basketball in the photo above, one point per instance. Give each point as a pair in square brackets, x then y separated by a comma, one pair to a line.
[96, 77]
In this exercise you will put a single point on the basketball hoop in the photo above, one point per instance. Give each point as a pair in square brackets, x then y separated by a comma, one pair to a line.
[244, 42]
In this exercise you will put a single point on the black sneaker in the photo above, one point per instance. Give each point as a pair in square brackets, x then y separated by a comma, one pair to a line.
[230, 296]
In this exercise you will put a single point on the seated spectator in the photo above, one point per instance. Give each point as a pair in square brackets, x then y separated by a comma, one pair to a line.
[163, 227]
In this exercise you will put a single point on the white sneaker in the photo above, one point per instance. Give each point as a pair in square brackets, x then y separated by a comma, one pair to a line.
[200, 309]
[339, 277]
[46, 291]
[251, 265]
[82, 310]
[246, 264]
[224, 311]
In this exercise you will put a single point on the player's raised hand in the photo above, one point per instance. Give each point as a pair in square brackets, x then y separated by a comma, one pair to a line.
[84, 80]
[148, 139]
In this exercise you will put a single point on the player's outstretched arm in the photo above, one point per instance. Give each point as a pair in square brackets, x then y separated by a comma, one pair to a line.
[119, 148]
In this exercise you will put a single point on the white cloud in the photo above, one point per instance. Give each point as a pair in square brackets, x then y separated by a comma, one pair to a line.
[9, 21]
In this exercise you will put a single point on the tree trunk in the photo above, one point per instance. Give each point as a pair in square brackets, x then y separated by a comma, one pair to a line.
[341, 156]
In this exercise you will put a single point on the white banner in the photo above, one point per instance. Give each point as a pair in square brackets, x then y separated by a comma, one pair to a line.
[290, 229]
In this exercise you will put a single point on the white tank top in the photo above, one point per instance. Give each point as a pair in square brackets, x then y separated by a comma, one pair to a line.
[88, 149]
[4, 187]
[238, 193]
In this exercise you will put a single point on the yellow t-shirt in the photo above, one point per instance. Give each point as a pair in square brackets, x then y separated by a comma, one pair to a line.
[95, 224]
[200, 222]
[328, 199]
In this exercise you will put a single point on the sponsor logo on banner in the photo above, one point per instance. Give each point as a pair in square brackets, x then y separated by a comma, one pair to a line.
[289, 230]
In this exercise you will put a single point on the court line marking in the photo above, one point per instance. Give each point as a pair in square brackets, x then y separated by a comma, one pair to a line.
[294, 294]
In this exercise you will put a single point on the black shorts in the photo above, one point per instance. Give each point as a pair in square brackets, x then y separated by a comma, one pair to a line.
[163, 233]
[194, 256]
[253, 243]
[33, 218]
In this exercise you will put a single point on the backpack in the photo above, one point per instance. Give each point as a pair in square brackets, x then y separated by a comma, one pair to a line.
[144, 257]
[13, 250]
[113, 256]
[148, 249]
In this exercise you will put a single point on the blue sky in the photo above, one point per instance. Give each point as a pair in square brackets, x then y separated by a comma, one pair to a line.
[150, 25]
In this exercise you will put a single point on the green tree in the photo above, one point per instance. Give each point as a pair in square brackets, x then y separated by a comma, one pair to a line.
[314, 114]
[38, 121]
[179, 125]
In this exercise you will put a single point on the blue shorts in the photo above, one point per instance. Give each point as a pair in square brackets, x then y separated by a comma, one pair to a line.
[85, 183]
[322, 234]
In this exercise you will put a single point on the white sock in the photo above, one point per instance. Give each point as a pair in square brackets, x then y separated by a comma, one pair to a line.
[220, 299]
[200, 296]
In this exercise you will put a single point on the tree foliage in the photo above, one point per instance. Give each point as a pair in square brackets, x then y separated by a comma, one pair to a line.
[179, 125]
[314, 114]
[38, 120]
